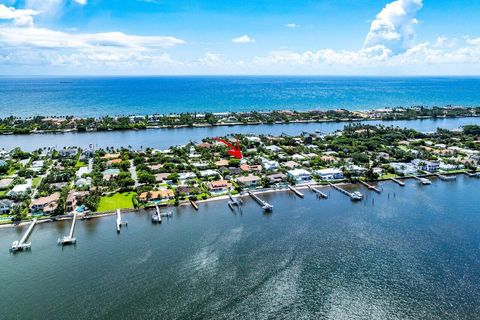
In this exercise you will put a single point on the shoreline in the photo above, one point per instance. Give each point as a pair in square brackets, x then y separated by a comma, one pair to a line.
[242, 194]
[231, 119]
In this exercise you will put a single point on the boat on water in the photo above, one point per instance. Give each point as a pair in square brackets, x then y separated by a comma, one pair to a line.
[356, 196]
[167, 214]
[156, 218]
[267, 207]
[425, 181]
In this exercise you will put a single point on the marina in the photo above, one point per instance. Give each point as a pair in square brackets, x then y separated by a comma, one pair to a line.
[69, 239]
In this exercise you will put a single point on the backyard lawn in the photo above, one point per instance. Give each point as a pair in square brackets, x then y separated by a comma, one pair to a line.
[116, 201]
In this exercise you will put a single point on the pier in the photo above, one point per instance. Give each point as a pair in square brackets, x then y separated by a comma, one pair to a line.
[424, 181]
[445, 177]
[194, 204]
[319, 193]
[354, 196]
[157, 217]
[369, 186]
[69, 239]
[265, 205]
[22, 245]
[298, 193]
[119, 221]
[400, 183]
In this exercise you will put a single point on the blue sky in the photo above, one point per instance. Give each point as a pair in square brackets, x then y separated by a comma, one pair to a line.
[402, 37]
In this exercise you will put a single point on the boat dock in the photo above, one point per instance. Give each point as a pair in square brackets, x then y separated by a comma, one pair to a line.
[265, 205]
[424, 181]
[21, 245]
[194, 204]
[157, 217]
[369, 186]
[69, 239]
[354, 196]
[298, 193]
[319, 193]
[445, 177]
[400, 183]
[119, 221]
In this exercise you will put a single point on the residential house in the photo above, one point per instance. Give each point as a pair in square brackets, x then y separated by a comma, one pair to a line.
[5, 183]
[249, 181]
[5, 206]
[47, 205]
[330, 174]
[219, 186]
[291, 164]
[277, 177]
[426, 165]
[406, 169]
[157, 195]
[300, 175]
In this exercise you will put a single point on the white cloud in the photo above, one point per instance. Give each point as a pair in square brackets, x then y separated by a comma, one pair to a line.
[393, 27]
[20, 17]
[243, 39]
[292, 25]
[81, 2]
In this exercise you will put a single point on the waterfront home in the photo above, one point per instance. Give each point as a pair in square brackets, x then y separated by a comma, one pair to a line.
[277, 177]
[300, 175]
[249, 181]
[219, 186]
[186, 190]
[426, 165]
[330, 174]
[157, 195]
[5, 206]
[356, 170]
[5, 183]
[406, 169]
[73, 198]
[47, 205]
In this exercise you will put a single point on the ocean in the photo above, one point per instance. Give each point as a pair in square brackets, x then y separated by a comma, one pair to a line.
[410, 252]
[100, 96]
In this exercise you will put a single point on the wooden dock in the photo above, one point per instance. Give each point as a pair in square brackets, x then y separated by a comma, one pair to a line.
[354, 196]
[22, 245]
[369, 186]
[319, 193]
[265, 205]
[194, 204]
[400, 183]
[119, 221]
[445, 177]
[423, 181]
[69, 239]
[298, 193]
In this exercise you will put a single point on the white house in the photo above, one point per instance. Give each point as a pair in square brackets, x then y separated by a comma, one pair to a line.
[404, 168]
[269, 164]
[300, 175]
[426, 165]
[330, 174]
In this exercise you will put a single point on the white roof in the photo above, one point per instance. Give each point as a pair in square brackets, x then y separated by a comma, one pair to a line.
[298, 172]
[329, 171]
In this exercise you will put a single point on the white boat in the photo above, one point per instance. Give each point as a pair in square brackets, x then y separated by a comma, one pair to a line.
[356, 195]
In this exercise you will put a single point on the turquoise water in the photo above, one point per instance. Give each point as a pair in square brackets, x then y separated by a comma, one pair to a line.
[408, 253]
[82, 96]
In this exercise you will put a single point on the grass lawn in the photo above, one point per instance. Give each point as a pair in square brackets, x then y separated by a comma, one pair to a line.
[80, 164]
[36, 181]
[116, 201]
[388, 176]
[3, 193]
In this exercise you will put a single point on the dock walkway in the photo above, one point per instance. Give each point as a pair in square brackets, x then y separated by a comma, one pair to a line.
[369, 186]
[354, 196]
[319, 193]
[400, 183]
[298, 193]
[69, 239]
[265, 205]
[22, 245]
